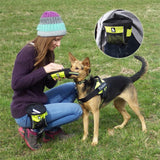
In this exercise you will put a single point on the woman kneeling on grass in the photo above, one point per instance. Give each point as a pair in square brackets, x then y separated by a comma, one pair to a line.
[29, 78]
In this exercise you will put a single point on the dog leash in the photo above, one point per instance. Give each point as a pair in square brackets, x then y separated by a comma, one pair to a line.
[100, 88]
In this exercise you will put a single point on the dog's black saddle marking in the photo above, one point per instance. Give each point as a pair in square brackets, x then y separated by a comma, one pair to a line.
[100, 89]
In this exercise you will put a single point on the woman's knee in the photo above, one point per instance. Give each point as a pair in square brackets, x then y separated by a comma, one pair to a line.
[78, 109]
[24, 121]
[70, 86]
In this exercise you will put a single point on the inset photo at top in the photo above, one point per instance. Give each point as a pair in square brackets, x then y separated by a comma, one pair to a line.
[118, 33]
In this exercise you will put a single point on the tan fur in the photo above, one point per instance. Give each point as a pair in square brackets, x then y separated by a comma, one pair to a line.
[129, 95]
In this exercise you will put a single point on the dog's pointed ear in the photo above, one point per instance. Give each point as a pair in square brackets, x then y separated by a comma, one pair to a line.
[71, 57]
[86, 62]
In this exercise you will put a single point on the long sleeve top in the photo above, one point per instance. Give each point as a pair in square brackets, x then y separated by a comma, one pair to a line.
[28, 83]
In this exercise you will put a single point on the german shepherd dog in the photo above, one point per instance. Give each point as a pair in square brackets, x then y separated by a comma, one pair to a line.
[120, 89]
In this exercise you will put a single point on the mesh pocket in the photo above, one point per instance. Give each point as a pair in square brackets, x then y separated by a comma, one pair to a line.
[118, 30]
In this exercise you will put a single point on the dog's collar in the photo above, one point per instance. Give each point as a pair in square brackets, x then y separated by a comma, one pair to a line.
[80, 82]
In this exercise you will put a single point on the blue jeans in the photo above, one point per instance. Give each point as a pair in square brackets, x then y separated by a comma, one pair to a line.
[60, 107]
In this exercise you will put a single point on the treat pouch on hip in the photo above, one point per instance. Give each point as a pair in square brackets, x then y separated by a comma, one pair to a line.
[118, 30]
[37, 113]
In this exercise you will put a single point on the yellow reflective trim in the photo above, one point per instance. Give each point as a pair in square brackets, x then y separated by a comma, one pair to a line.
[62, 75]
[129, 32]
[58, 74]
[114, 29]
[38, 118]
[97, 85]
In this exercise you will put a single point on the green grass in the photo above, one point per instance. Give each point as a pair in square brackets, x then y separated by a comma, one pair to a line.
[18, 21]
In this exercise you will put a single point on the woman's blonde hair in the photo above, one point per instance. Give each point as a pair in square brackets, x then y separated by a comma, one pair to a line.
[44, 56]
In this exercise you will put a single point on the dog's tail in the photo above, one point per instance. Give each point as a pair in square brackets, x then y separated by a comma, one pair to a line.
[142, 71]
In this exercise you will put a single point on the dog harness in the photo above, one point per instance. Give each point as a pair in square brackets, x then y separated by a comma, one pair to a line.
[99, 89]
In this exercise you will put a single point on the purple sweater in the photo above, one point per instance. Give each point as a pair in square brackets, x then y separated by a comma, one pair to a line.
[28, 84]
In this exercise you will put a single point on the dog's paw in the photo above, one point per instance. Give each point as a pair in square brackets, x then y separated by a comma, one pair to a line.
[119, 127]
[84, 138]
[94, 143]
[110, 132]
[144, 130]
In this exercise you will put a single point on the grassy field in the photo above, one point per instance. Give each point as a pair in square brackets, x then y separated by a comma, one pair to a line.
[18, 21]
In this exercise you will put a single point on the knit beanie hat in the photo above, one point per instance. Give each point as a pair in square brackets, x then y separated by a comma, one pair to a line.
[50, 25]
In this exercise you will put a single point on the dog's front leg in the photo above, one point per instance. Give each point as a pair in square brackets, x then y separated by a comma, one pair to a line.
[96, 127]
[85, 123]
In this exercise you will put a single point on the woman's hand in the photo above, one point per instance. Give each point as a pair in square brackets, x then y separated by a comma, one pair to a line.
[51, 67]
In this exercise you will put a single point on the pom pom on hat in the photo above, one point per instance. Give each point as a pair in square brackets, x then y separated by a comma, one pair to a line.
[50, 25]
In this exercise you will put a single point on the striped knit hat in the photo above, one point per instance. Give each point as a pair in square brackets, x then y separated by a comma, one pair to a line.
[50, 25]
